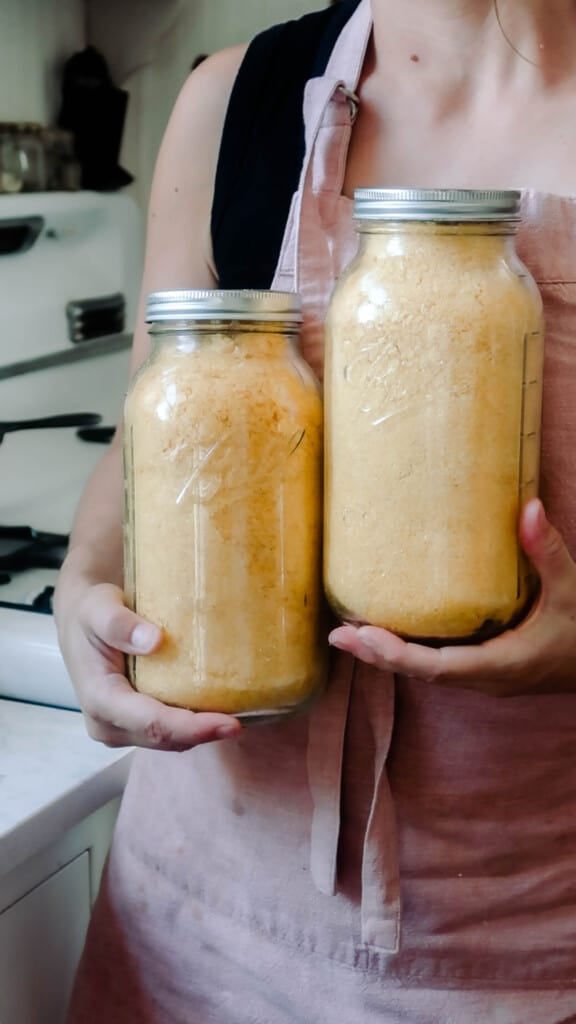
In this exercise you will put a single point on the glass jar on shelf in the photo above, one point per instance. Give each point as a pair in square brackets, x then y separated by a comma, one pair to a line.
[22, 158]
[223, 490]
[32, 157]
[433, 389]
[11, 173]
[63, 172]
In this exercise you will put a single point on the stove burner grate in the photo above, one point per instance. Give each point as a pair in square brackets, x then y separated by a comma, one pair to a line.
[22, 547]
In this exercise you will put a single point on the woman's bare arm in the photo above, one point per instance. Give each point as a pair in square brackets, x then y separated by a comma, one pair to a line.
[95, 627]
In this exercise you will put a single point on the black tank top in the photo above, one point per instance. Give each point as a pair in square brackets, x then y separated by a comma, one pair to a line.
[262, 145]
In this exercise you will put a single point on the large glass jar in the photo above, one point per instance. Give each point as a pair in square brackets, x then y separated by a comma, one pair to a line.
[223, 486]
[433, 404]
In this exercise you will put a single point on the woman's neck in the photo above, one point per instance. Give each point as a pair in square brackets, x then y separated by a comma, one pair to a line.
[465, 39]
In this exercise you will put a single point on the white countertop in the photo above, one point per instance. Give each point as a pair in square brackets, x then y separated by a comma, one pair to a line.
[52, 775]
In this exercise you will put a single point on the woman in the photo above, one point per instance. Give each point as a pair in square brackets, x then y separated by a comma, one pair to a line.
[406, 852]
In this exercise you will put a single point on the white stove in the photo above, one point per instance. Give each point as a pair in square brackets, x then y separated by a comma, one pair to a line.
[70, 267]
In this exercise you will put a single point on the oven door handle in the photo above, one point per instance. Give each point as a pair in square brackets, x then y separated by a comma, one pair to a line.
[73, 419]
[18, 234]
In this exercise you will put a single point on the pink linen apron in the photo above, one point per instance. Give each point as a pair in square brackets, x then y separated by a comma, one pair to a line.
[403, 853]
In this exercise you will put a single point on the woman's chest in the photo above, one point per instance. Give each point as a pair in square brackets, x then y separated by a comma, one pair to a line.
[408, 143]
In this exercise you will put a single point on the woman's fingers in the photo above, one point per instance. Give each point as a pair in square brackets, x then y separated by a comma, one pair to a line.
[95, 638]
[120, 717]
[108, 621]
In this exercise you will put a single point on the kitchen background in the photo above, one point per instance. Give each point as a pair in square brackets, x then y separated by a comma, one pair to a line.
[149, 46]
[70, 263]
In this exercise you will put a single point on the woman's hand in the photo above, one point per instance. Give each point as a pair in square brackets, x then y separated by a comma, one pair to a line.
[538, 656]
[95, 633]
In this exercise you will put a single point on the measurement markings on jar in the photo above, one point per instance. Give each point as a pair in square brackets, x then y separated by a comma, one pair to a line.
[529, 432]
[521, 454]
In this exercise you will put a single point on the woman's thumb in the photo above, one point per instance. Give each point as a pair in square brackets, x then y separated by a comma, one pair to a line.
[107, 618]
[543, 543]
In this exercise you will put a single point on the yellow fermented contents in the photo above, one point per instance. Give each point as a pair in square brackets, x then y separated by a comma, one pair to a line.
[223, 442]
[433, 397]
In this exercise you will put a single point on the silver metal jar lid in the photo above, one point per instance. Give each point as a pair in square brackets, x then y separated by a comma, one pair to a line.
[215, 304]
[444, 205]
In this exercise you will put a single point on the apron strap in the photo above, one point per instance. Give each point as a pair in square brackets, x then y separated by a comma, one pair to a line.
[381, 911]
[326, 735]
[330, 107]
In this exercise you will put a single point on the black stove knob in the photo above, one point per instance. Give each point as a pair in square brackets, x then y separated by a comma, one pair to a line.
[43, 601]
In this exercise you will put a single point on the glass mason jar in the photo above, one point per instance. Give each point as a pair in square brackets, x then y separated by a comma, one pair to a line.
[11, 172]
[433, 386]
[32, 157]
[22, 163]
[223, 505]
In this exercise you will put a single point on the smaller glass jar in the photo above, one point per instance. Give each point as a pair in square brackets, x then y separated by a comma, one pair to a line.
[63, 172]
[11, 174]
[223, 491]
[433, 389]
[22, 157]
[32, 157]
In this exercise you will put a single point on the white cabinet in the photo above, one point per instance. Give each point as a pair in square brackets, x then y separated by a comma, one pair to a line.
[41, 937]
[44, 912]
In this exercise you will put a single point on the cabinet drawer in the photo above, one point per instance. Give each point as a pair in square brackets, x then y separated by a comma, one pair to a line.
[41, 938]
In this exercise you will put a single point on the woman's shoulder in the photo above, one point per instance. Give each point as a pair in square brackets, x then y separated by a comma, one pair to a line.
[188, 155]
[270, 61]
[207, 89]
[179, 251]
